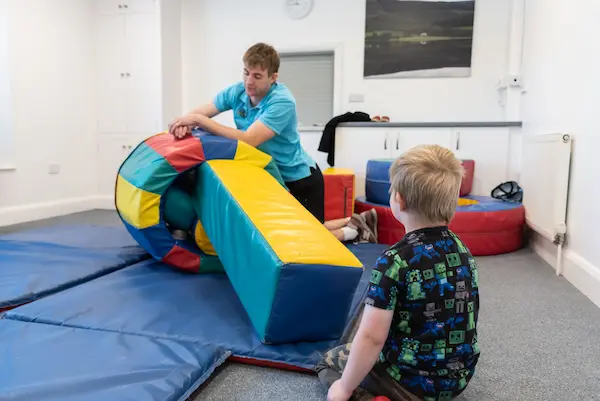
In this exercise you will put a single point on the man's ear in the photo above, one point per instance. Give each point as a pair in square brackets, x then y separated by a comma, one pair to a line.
[274, 77]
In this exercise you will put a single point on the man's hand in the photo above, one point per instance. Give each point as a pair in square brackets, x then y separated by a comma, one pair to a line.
[182, 126]
[337, 392]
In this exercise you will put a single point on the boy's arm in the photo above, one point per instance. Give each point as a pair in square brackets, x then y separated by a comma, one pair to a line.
[367, 345]
[376, 321]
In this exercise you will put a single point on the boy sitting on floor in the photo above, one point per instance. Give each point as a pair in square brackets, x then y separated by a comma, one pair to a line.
[417, 339]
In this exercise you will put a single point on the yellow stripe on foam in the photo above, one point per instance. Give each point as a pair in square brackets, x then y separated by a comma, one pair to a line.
[293, 233]
[138, 207]
[250, 154]
[202, 240]
[338, 171]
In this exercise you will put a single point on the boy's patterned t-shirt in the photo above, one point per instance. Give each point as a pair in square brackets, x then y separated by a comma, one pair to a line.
[430, 280]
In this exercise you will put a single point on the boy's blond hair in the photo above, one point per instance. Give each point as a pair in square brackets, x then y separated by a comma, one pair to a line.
[264, 56]
[428, 177]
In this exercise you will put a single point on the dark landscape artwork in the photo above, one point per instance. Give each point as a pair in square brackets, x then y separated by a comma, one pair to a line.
[424, 38]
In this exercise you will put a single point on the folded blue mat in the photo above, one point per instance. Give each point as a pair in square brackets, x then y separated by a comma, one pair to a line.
[37, 263]
[51, 363]
[154, 300]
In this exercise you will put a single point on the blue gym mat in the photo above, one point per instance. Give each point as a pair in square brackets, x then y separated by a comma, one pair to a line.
[153, 300]
[51, 363]
[40, 262]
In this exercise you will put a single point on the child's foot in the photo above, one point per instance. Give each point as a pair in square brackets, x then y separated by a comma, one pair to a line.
[370, 217]
[365, 223]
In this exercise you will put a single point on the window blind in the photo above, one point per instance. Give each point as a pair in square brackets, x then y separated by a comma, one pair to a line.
[310, 78]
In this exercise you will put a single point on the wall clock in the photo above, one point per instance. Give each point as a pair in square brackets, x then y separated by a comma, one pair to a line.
[298, 9]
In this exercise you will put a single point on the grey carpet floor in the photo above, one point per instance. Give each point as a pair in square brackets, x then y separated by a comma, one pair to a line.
[540, 338]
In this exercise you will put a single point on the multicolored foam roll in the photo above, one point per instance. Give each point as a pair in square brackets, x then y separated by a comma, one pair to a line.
[149, 171]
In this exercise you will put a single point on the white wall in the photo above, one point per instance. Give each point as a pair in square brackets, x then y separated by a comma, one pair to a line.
[170, 58]
[51, 65]
[560, 73]
[6, 130]
[216, 34]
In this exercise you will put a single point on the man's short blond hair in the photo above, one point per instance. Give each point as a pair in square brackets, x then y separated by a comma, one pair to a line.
[264, 56]
[428, 177]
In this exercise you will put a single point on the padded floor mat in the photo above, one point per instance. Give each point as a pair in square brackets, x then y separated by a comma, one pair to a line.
[153, 300]
[37, 263]
[51, 363]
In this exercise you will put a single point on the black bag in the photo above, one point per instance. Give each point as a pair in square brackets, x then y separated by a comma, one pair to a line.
[508, 191]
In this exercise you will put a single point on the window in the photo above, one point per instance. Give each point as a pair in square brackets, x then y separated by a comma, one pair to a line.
[310, 77]
[6, 131]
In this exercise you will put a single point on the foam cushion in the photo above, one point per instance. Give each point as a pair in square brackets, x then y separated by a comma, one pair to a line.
[51, 363]
[152, 300]
[276, 254]
[377, 184]
[40, 262]
[339, 193]
[487, 227]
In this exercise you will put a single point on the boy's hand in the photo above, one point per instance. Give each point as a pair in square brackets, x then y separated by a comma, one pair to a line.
[337, 392]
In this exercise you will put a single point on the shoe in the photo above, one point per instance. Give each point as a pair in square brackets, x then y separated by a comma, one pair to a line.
[370, 217]
[363, 223]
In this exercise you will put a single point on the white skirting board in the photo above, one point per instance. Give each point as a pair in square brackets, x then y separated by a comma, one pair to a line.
[577, 270]
[105, 202]
[45, 210]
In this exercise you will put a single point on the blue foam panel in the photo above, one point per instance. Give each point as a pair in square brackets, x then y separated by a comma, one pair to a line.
[37, 263]
[377, 181]
[51, 363]
[153, 300]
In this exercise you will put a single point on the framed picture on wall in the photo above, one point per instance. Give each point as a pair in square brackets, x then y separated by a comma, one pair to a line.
[418, 38]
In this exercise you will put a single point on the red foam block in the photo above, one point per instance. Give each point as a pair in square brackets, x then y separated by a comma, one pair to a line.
[339, 195]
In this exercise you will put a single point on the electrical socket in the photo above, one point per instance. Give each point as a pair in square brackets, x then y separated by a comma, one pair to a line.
[54, 169]
[356, 98]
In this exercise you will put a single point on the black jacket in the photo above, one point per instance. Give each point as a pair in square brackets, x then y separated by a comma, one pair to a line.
[327, 144]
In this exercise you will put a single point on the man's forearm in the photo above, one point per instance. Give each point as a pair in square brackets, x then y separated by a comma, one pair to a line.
[214, 127]
[208, 110]
[363, 356]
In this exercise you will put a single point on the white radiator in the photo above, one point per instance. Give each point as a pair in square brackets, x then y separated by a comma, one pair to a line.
[545, 167]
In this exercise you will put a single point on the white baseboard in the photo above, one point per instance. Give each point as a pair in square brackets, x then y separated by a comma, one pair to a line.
[45, 210]
[106, 202]
[577, 270]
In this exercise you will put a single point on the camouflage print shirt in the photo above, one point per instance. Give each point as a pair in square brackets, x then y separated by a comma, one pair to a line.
[430, 280]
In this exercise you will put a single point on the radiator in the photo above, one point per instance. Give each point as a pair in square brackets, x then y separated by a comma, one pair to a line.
[545, 168]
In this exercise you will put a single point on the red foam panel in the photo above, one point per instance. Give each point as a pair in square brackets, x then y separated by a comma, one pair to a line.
[339, 195]
[182, 154]
[484, 233]
[467, 182]
[269, 364]
[183, 259]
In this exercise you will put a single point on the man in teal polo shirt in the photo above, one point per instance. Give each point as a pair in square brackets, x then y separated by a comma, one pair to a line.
[265, 117]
